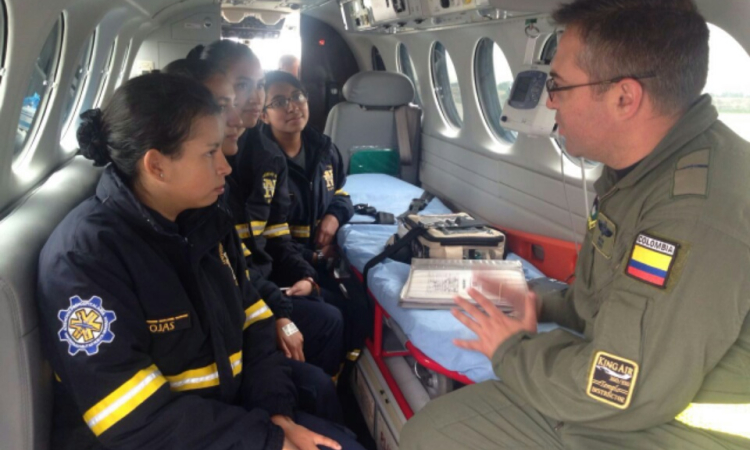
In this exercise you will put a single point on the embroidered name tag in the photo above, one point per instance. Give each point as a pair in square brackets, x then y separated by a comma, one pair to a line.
[179, 322]
[651, 260]
[612, 380]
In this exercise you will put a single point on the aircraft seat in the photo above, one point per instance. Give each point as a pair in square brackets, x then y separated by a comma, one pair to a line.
[377, 103]
[26, 378]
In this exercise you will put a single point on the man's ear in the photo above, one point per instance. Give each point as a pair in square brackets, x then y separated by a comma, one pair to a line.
[154, 165]
[629, 98]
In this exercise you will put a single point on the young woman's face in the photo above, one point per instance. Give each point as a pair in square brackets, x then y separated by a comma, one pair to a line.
[223, 92]
[289, 118]
[195, 178]
[247, 78]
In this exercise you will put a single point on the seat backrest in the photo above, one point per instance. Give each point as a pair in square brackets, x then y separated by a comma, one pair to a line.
[366, 118]
[25, 376]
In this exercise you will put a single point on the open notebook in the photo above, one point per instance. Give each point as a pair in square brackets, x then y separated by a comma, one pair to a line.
[433, 283]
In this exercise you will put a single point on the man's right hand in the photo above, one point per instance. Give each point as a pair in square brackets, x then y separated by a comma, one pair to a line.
[292, 346]
[297, 437]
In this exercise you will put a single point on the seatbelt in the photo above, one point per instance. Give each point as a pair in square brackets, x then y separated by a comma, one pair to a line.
[398, 245]
[417, 204]
[402, 131]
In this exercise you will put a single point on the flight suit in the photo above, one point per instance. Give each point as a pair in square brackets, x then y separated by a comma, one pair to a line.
[661, 300]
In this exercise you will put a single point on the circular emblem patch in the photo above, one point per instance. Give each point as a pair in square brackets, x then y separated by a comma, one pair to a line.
[86, 325]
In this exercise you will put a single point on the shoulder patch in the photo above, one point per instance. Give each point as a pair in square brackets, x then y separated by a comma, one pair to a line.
[691, 174]
[86, 325]
[612, 380]
[651, 260]
[269, 186]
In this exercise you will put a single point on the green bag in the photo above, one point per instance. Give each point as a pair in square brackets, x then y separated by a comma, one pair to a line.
[374, 160]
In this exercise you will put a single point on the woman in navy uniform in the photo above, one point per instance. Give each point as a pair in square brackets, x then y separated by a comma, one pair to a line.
[307, 329]
[154, 331]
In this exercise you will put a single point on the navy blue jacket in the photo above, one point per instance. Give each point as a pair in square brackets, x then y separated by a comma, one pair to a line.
[154, 331]
[260, 203]
[317, 189]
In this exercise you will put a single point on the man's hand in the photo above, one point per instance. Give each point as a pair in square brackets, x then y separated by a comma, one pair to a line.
[326, 231]
[292, 346]
[297, 437]
[492, 326]
[303, 288]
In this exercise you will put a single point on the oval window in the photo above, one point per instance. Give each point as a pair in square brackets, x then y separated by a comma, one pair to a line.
[75, 91]
[445, 82]
[406, 67]
[377, 60]
[727, 84]
[40, 87]
[494, 80]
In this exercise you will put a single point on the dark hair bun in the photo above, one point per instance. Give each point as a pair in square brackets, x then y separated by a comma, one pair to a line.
[92, 138]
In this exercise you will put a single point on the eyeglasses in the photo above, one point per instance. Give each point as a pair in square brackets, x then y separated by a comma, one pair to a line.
[552, 86]
[298, 98]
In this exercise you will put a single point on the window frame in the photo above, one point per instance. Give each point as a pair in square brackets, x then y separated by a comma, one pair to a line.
[409, 70]
[82, 86]
[46, 99]
[485, 82]
[376, 60]
[106, 73]
[441, 83]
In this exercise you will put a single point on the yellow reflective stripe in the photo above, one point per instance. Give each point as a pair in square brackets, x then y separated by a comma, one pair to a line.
[245, 250]
[243, 230]
[300, 231]
[124, 399]
[274, 231]
[203, 377]
[341, 192]
[256, 313]
[724, 418]
[258, 227]
[247, 273]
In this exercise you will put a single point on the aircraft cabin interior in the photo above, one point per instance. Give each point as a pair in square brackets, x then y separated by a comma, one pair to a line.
[436, 107]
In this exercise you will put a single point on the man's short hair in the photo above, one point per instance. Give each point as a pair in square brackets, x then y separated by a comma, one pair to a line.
[666, 38]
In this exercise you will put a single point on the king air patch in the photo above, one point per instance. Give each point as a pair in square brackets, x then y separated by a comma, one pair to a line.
[86, 325]
[651, 260]
[612, 380]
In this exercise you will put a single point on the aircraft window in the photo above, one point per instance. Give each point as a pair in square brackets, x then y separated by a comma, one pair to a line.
[377, 60]
[727, 83]
[445, 82]
[494, 80]
[40, 87]
[550, 49]
[75, 92]
[406, 66]
[124, 66]
[105, 75]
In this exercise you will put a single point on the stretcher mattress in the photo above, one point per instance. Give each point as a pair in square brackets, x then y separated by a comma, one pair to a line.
[432, 331]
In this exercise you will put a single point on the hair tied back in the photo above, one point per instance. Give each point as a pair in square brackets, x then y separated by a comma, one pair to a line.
[92, 138]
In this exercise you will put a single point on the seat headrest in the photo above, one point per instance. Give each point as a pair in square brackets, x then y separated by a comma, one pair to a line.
[378, 88]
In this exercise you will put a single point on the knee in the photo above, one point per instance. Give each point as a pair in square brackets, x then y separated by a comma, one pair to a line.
[411, 437]
[332, 318]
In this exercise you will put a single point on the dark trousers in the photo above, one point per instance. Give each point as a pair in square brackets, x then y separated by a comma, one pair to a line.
[357, 316]
[316, 393]
[338, 433]
[322, 327]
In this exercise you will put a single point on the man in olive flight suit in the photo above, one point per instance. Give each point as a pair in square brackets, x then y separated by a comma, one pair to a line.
[662, 288]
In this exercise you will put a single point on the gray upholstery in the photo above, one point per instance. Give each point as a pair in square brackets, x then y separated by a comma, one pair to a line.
[379, 88]
[357, 122]
[25, 409]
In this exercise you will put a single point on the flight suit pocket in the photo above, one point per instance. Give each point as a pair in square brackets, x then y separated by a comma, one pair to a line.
[619, 325]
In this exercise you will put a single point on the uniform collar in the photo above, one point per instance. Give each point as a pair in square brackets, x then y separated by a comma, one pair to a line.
[695, 121]
[205, 224]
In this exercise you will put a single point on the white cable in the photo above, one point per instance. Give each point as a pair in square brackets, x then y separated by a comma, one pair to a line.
[567, 202]
[586, 204]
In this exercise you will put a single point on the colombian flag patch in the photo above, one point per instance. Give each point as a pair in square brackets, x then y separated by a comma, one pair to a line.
[651, 260]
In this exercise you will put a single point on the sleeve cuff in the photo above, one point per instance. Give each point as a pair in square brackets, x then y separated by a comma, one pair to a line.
[275, 440]
[505, 347]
